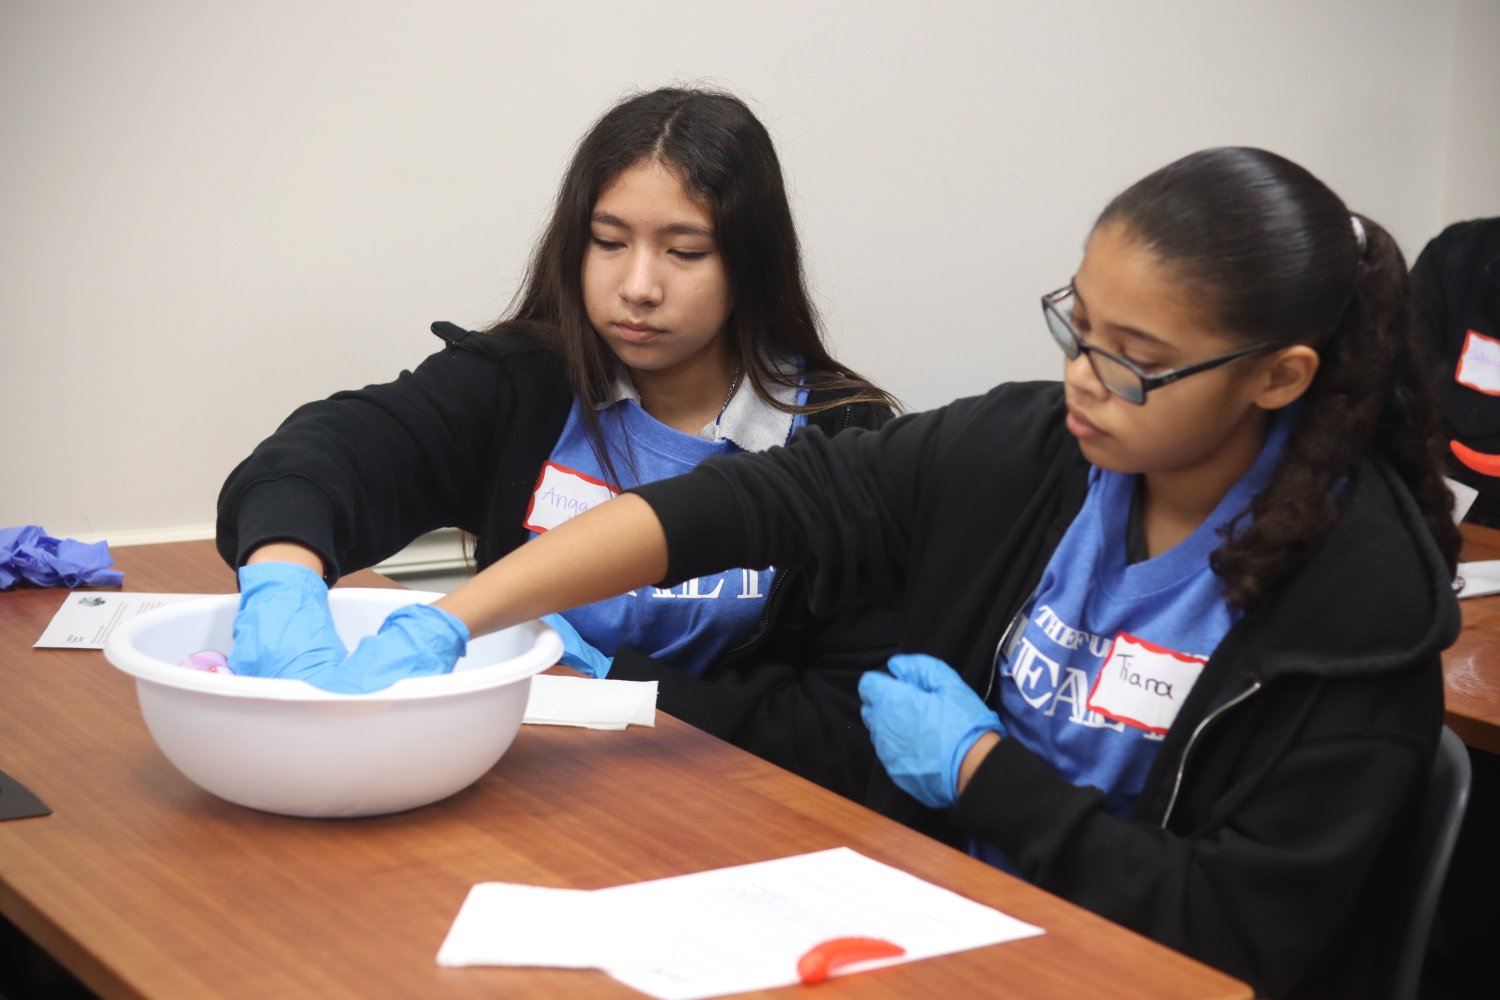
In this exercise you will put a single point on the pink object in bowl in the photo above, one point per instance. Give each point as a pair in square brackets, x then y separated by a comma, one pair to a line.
[210, 660]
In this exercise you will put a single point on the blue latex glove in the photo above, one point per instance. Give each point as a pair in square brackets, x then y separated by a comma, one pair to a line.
[923, 719]
[283, 627]
[577, 653]
[416, 640]
[29, 554]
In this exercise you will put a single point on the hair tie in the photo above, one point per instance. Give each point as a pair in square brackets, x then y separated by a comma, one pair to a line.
[1359, 234]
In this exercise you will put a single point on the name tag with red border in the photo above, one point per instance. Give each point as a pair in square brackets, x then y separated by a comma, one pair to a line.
[1479, 364]
[1142, 684]
[562, 493]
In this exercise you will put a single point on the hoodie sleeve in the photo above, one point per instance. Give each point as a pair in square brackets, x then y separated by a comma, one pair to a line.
[839, 507]
[357, 476]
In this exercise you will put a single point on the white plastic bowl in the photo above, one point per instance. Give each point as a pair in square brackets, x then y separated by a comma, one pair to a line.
[284, 746]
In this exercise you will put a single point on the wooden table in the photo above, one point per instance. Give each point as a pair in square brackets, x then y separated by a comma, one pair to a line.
[145, 886]
[1471, 666]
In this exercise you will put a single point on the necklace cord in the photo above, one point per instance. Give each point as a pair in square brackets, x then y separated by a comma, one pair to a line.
[734, 384]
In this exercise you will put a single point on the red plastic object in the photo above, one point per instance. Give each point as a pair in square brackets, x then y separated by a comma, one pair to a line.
[822, 960]
[1481, 462]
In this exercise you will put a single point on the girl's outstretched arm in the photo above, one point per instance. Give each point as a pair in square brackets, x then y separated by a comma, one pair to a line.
[603, 552]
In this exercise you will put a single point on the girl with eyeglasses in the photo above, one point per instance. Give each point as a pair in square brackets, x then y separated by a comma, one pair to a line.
[663, 321]
[1170, 628]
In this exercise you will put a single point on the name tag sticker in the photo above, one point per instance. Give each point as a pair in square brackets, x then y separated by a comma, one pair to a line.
[1479, 364]
[562, 493]
[1142, 684]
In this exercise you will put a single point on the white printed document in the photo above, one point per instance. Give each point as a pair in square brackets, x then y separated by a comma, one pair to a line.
[725, 931]
[87, 617]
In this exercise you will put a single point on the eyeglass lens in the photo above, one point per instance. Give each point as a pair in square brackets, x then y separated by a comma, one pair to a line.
[1114, 376]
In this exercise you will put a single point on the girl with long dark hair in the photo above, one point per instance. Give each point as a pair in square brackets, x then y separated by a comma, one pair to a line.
[663, 320]
[1170, 628]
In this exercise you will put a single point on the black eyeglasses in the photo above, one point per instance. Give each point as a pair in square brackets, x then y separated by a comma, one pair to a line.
[1122, 376]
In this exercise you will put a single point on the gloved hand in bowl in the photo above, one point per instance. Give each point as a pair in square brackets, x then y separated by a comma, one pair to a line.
[283, 627]
[414, 641]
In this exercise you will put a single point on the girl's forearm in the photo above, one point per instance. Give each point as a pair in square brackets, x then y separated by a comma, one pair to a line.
[613, 548]
[976, 755]
[291, 552]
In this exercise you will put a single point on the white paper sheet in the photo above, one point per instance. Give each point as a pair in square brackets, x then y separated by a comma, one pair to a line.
[87, 617]
[730, 930]
[558, 700]
[1480, 578]
[501, 923]
[1464, 496]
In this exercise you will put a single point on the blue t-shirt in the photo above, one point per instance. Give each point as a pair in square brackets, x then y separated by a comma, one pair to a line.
[689, 625]
[1109, 649]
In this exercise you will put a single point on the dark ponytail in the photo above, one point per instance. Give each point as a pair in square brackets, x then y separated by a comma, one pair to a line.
[1278, 257]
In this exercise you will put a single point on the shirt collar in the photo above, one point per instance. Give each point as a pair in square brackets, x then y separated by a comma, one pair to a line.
[749, 422]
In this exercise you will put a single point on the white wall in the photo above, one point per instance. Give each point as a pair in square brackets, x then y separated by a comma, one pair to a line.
[213, 211]
[1471, 187]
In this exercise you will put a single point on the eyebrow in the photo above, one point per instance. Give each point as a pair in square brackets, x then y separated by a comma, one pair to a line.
[673, 229]
[1128, 331]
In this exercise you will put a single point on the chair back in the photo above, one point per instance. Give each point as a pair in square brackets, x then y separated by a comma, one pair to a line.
[1442, 812]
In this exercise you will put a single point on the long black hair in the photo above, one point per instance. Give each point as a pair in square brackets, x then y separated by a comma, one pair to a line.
[722, 153]
[1274, 255]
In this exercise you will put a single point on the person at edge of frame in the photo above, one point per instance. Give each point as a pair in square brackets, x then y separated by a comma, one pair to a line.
[1456, 282]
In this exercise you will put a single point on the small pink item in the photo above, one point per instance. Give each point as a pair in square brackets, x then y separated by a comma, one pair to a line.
[208, 660]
